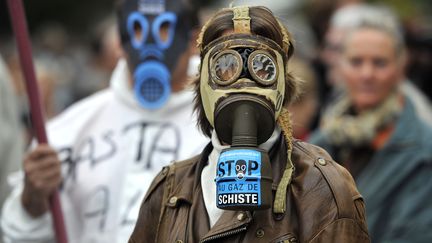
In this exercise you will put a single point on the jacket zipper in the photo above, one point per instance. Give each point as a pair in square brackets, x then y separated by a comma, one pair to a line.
[225, 234]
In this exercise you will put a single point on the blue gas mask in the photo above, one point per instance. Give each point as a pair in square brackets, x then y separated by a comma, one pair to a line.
[154, 34]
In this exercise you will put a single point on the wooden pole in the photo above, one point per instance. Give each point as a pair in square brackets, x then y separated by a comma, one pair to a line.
[19, 26]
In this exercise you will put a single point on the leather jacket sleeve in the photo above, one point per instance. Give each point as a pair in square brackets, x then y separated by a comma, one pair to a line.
[341, 230]
[346, 229]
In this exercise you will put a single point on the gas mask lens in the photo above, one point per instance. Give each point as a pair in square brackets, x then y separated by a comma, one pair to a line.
[227, 67]
[262, 67]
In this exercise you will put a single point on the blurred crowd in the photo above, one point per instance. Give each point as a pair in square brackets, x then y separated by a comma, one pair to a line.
[70, 69]
[66, 70]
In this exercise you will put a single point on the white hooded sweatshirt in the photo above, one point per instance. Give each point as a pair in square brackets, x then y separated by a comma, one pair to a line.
[111, 148]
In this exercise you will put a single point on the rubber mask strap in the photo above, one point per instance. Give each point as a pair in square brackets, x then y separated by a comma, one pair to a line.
[241, 20]
[279, 205]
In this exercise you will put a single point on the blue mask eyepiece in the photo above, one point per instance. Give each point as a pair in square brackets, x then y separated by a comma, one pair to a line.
[136, 18]
[152, 84]
[165, 18]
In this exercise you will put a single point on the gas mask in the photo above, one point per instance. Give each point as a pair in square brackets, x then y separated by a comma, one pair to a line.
[242, 86]
[242, 69]
[152, 54]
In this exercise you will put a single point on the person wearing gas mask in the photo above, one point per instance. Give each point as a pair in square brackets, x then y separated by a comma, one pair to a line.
[253, 182]
[105, 150]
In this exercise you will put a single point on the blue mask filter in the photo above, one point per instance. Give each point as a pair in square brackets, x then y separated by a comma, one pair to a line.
[152, 85]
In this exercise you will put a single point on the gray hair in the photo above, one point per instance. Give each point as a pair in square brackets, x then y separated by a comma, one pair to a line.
[381, 18]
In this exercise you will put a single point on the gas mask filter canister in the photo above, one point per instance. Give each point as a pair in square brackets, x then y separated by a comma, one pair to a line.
[243, 179]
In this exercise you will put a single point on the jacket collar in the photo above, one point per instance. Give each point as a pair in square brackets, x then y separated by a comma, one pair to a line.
[182, 189]
[192, 179]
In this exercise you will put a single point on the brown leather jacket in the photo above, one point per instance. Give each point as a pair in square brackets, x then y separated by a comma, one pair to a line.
[323, 205]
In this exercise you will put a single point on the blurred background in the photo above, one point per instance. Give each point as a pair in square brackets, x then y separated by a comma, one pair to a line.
[75, 46]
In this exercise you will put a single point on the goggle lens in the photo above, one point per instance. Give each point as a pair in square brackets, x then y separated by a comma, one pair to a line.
[263, 68]
[226, 67]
